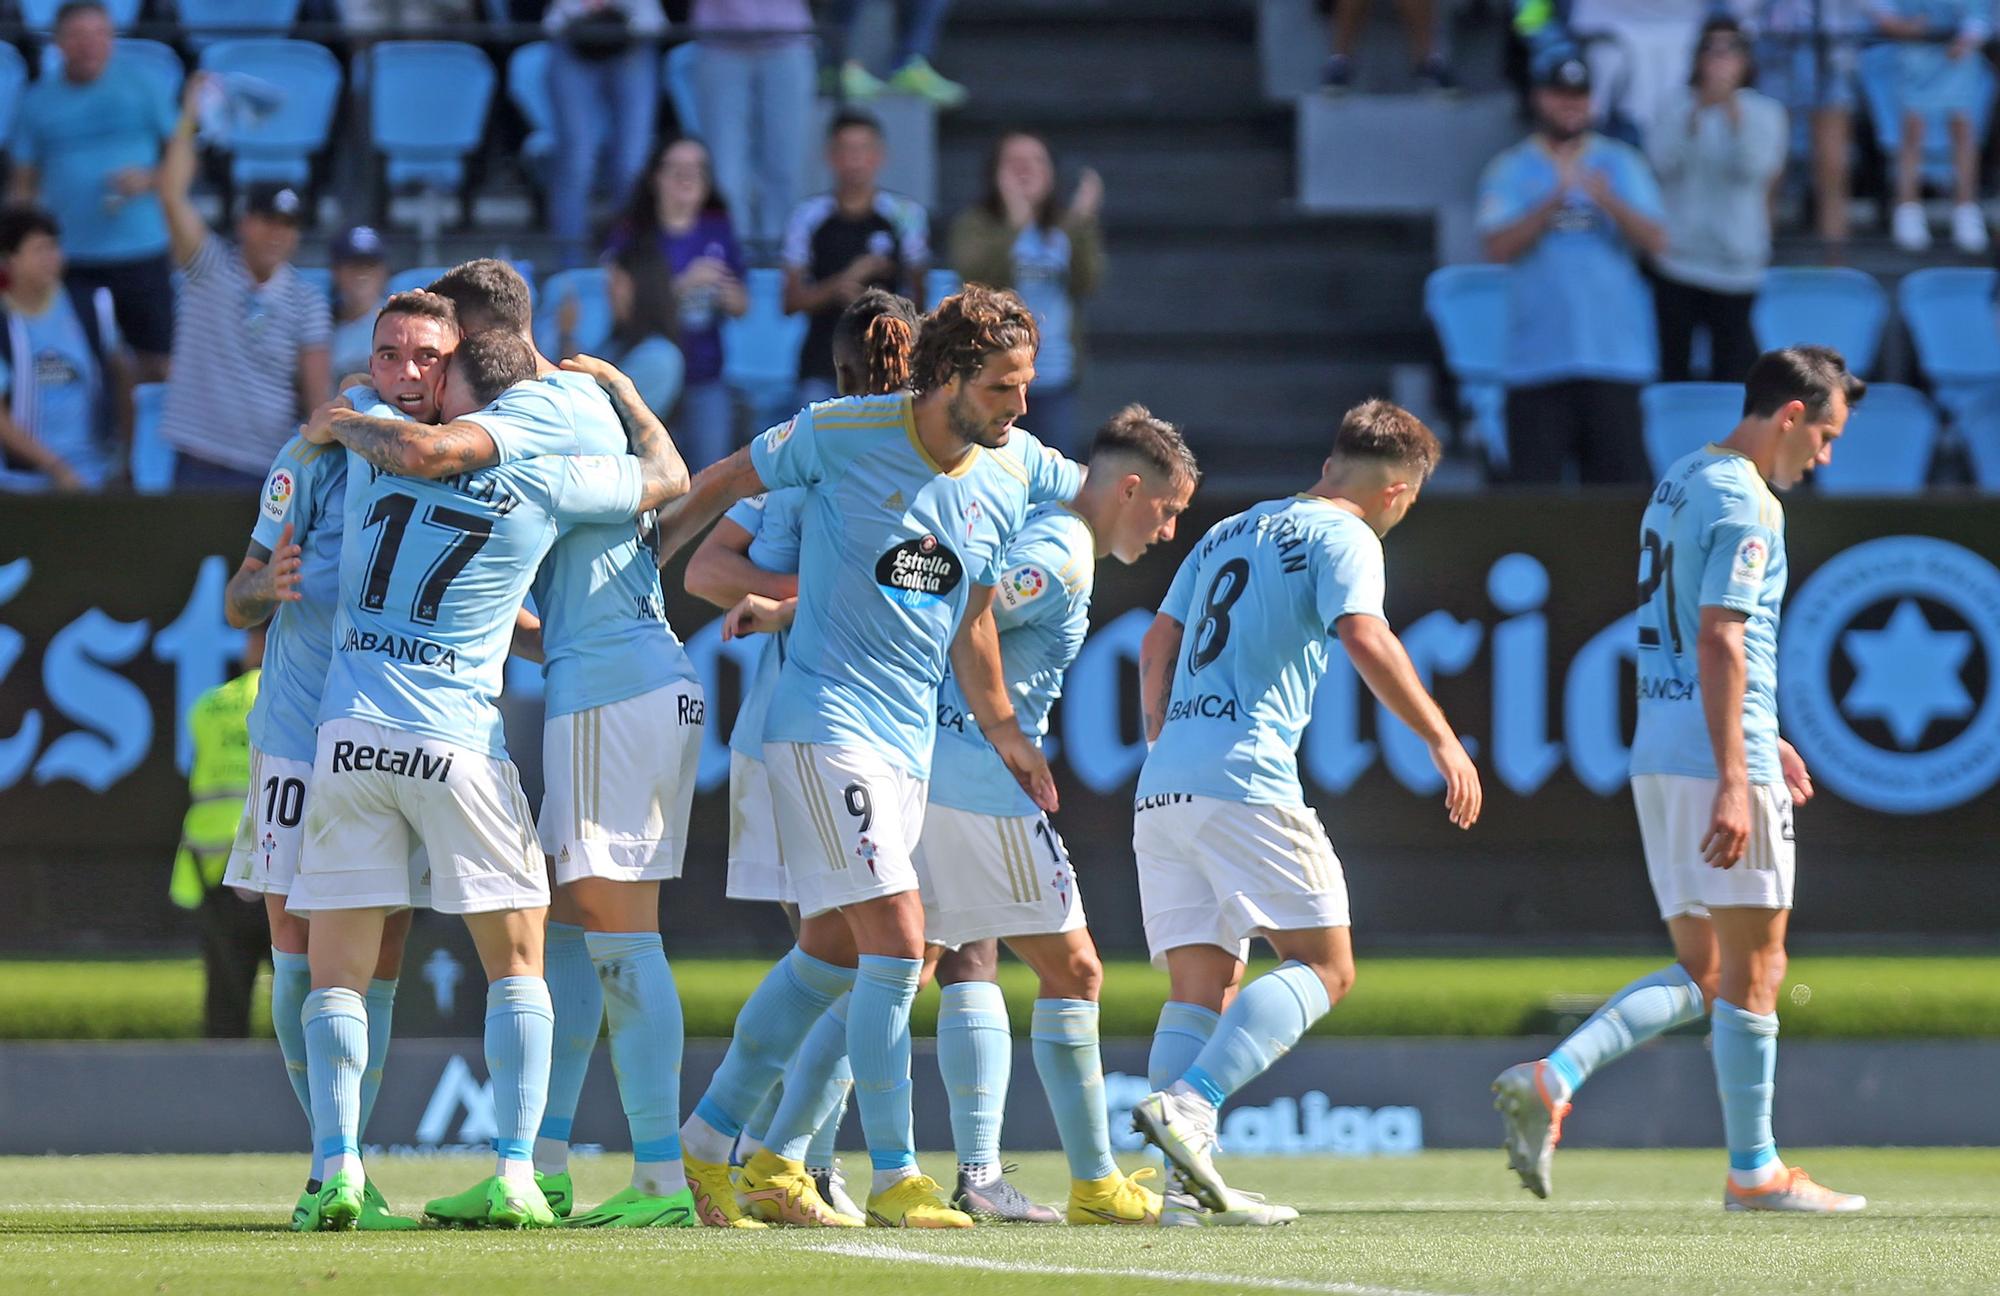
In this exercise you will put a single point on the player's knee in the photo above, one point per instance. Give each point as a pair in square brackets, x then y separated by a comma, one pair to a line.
[1338, 979]
[1080, 977]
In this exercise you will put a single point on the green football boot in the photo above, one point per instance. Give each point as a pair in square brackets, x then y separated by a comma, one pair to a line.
[493, 1203]
[376, 1217]
[634, 1209]
[305, 1213]
[340, 1202]
[558, 1191]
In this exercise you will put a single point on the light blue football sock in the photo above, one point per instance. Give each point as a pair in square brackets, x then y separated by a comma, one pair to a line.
[758, 1128]
[819, 1152]
[1260, 1027]
[975, 1053]
[878, 1048]
[1183, 1031]
[336, 1034]
[1745, 1045]
[791, 997]
[520, 1035]
[1654, 1003]
[647, 1035]
[291, 981]
[381, 1016]
[578, 999]
[815, 1089]
[1072, 1071]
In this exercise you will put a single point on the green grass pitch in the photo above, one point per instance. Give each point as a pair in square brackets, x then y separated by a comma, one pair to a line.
[1435, 1224]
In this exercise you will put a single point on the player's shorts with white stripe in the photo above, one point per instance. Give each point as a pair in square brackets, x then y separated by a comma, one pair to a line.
[265, 855]
[994, 875]
[848, 822]
[756, 864]
[1674, 814]
[618, 783]
[376, 792]
[1215, 872]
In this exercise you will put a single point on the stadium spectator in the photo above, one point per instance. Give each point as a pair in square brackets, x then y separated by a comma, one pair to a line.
[754, 83]
[66, 423]
[644, 310]
[918, 23]
[1571, 211]
[677, 216]
[1638, 52]
[1021, 236]
[837, 245]
[1806, 60]
[1938, 78]
[1419, 25]
[1718, 149]
[360, 286]
[248, 329]
[87, 146]
[604, 85]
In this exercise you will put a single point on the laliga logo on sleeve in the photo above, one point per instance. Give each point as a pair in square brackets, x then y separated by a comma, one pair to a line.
[1885, 674]
[278, 494]
[1750, 560]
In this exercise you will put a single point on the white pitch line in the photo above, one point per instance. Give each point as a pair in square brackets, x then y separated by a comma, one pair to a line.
[893, 1255]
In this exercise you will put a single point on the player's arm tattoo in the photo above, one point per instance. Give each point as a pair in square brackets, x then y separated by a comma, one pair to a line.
[416, 449]
[1158, 652]
[249, 599]
[666, 474]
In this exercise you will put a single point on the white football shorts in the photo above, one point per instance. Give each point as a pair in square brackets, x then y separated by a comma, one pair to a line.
[618, 782]
[271, 831]
[994, 875]
[1674, 812]
[377, 792]
[1215, 872]
[756, 865]
[848, 822]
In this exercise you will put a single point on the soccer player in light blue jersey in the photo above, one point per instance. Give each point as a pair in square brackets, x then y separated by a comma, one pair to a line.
[1227, 847]
[991, 864]
[411, 749]
[910, 502]
[1713, 783]
[622, 736]
[291, 575]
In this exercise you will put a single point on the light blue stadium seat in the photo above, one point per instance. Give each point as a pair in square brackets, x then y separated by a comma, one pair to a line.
[1877, 72]
[1978, 430]
[13, 80]
[1679, 418]
[590, 286]
[415, 277]
[1950, 314]
[429, 102]
[1467, 305]
[528, 88]
[656, 368]
[1823, 306]
[1886, 447]
[760, 348]
[150, 57]
[40, 15]
[677, 73]
[152, 457]
[206, 21]
[280, 147]
[940, 283]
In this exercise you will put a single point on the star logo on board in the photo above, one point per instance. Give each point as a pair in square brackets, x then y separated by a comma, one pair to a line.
[1907, 674]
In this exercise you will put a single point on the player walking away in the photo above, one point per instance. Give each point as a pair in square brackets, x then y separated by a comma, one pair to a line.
[1227, 847]
[754, 549]
[623, 732]
[989, 861]
[902, 541]
[291, 577]
[411, 749]
[1713, 782]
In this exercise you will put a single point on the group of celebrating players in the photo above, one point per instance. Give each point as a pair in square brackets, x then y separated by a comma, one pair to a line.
[921, 570]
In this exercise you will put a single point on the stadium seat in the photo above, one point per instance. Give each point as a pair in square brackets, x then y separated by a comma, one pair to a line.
[40, 15]
[207, 21]
[13, 80]
[1467, 305]
[760, 348]
[528, 89]
[1978, 431]
[590, 286]
[656, 368]
[1880, 80]
[940, 283]
[279, 147]
[1824, 306]
[428, 109]
[151, 57]
[1682, 417]
[677, 73]
[1950, 314]
[414, 277]
[1887, 446]
[152, 457]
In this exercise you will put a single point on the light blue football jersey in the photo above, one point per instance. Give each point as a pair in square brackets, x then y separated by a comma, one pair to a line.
[307, 488]
[432, 575]
[888, 544]
[1712, 536]
[1042, 608]
[605, 635]
[773, 523]
[1258, 598]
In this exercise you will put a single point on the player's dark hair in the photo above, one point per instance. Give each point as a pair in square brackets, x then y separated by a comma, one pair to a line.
[965, 328]
[1811, 374]
[492, 360]
[421, 303]
[877, 334]
[1387, 433]
[75, 7]
[19, 222]
[853, 118]
[1137, 433]
[488, 293]
[1048, 212]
